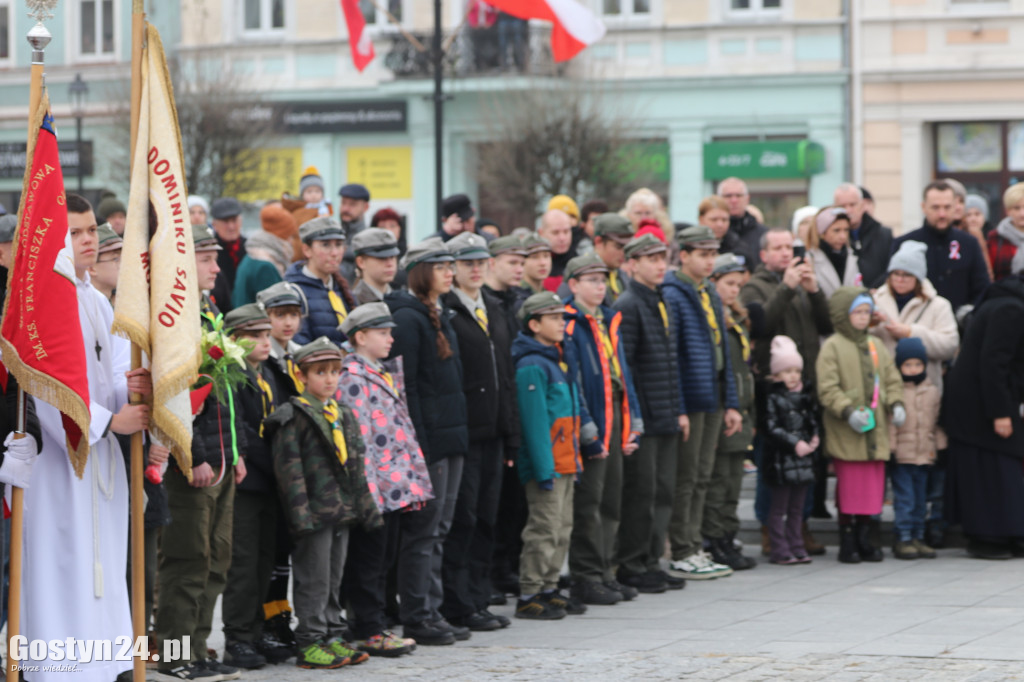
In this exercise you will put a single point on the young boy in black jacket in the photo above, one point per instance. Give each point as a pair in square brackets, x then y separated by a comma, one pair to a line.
[649, 474]
[195, 549]
[256, 505]
[488, 382]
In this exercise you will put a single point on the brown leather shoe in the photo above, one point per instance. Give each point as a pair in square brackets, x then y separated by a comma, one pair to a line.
[813, 547]
[766, 542]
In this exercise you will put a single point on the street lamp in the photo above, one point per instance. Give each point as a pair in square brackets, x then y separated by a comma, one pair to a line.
[78, 93]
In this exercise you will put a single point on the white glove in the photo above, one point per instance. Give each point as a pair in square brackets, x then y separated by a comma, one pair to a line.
[859, 419]
[899, 416]
[16, 469]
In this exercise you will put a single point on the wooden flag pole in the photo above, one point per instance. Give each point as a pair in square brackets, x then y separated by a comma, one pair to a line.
[137, 506]
[38, 37]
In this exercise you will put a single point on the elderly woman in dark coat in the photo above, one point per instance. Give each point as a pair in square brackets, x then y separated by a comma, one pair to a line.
[984, 398]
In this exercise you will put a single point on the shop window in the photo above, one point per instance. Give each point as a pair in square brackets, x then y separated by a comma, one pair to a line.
[987, 157]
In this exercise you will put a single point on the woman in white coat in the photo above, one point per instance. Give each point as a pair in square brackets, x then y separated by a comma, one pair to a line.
[829, 252]
[908, 305]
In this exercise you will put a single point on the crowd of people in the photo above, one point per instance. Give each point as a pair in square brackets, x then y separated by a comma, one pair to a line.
[429, 429]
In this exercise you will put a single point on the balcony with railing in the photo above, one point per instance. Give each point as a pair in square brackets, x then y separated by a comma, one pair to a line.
[506, 48]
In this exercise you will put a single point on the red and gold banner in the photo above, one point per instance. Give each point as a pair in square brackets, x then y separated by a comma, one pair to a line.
[40, 336]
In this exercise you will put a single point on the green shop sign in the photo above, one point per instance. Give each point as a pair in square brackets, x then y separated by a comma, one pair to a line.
[773, 159]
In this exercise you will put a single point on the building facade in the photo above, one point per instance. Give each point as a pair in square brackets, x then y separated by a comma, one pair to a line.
[938, 92]
[91, 39]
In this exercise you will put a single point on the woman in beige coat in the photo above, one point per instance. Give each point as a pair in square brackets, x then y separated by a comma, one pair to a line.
[907, 305]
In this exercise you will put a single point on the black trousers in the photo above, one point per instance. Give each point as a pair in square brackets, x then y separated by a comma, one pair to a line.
[371, 554]
[508, 531]
[469, 547]
[253, 552]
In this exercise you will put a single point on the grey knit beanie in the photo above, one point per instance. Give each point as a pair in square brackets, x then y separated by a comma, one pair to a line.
[910, 257]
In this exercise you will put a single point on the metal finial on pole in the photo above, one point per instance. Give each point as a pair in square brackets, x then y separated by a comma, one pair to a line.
[38, 38]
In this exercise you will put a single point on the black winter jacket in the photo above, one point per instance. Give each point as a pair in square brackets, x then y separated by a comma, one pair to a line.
[789, 418]
[651, 354]
[510, 300]
[956, 263]
[259, 464]
[744, 239]
[872, 246]
[488, 377]
[433, 387]
[987, 381]
[225, 283]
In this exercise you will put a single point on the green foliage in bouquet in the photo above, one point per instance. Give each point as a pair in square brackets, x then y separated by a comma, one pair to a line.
[223, 363]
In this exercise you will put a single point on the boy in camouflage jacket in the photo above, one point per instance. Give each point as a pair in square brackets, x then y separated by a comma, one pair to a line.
[319, 465]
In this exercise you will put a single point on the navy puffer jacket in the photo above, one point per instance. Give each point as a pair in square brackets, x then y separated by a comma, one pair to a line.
[701, 387]
[321, 320]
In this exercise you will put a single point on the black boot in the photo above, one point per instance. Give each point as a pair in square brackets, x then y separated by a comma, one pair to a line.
[934, 534]
[723, 551]
[848, 553]
[867, 551]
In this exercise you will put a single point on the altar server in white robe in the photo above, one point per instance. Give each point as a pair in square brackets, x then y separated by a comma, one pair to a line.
[76, 530]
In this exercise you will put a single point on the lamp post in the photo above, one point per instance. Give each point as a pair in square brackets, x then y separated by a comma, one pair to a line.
[78, 93]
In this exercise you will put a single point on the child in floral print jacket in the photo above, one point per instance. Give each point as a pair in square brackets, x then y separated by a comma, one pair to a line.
[396, 472]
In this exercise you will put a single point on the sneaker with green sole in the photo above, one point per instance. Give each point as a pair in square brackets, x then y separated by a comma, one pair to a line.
[318, 655]
[342, 650]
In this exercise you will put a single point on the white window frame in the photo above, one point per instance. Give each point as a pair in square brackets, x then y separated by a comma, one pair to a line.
[263, 32]
[74, 16]
[756, 11]
[629, 17]
[381, 23]
[9, 59]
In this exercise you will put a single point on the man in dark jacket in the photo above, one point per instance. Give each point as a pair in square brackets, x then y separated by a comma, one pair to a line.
[355, 200]
[956, 264]
[648, 477]
[871, 241]
[226, 213]
[793, 305]
[744, 235]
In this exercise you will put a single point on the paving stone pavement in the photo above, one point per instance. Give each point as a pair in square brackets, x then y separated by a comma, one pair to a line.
[952, 618]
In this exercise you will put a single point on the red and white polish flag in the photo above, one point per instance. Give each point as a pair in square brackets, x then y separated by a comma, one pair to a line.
[358, 36]
[574, 26]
